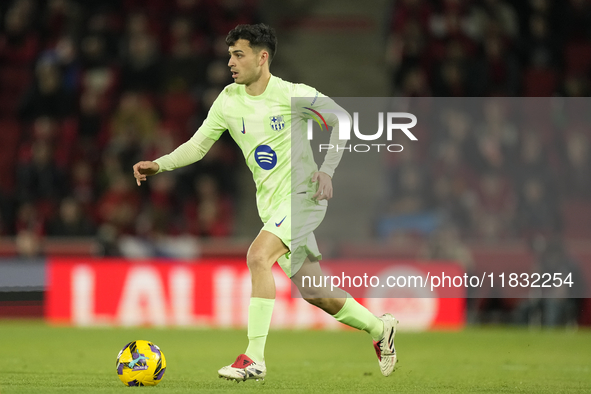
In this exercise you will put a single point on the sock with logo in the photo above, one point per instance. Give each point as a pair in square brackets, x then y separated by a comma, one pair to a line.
[260, 311]
[357, 316]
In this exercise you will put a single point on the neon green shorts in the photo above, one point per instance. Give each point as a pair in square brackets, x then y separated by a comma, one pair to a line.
[294, 221]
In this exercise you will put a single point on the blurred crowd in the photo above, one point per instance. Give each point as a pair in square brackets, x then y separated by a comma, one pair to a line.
[493, 168]
[490, 47]
[88, 88]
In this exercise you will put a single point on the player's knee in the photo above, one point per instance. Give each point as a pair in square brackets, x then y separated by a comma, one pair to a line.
[257, 261]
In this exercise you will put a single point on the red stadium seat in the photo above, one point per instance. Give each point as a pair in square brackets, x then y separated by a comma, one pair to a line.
[10, 134]
[539, 82]
[577, 57]
[576, 215]
[14, 79]
[178, 106]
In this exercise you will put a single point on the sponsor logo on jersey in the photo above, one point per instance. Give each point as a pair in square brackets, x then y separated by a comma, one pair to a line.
[277, 122]
[279, 224]
[243, 128]
[265, 157]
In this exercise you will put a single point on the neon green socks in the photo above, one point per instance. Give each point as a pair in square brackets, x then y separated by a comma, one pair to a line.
[357, 316]
[260, 311]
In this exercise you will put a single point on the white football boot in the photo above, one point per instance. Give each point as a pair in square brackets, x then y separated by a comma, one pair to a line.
[244, 368]
[385, 346]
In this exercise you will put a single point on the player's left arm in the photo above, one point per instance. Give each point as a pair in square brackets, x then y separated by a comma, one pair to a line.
[322, 103]
[333, 155]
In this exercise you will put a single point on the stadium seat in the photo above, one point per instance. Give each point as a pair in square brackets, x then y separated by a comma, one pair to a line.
[14, 79]
[539, 82]
[577, 57]
[10, 134]
[576, 215]
[178, 106]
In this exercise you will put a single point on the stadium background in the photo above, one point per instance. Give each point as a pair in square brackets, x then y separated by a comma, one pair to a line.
[89, 87]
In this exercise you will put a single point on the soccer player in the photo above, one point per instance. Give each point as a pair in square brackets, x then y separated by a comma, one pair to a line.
[292, 193]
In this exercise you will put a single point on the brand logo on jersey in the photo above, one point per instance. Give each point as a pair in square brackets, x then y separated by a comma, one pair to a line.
[265, 157]
[277, 122]
[279, 224]
[243, 128]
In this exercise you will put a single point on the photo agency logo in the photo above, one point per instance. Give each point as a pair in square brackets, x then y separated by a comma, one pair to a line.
[391, 119]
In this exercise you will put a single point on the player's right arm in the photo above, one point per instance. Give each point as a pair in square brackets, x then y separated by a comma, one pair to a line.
[191, 151]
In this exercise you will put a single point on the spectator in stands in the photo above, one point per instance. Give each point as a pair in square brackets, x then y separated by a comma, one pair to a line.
[456, 134]
[183, 69]
[494, 207]
[164, 206]
[455, 75]
[227, 14]
[576, 175]
[575, 86]
[445, 244]
[102, 25]
[407, 53]
[411, 10]
[537, 212]
[19, 42]
[94, 52]
[39, 179]
[409, 185]
[28, 245]
[497, 15]
[28, 218]
[59, 17]
[67, 59]
[415, 84]
[70, 221]
[82, 186]
[210, 212]
[539, 48]
[142, 69]
[499, 68]
[453, 22]
[90, 119]
[199, 13]
[533, 162]
[452, 186]
[47, 96]
[133, 127]
[119, 205]
[497, 137]
[576, 22]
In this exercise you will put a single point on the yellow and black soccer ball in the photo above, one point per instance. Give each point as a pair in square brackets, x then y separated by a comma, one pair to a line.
[141, 363]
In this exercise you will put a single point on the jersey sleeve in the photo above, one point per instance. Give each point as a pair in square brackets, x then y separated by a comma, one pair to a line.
[215, 124]
[307, 97]
[187, 153]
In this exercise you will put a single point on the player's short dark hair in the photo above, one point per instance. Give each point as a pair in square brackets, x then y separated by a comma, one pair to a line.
[259, 37]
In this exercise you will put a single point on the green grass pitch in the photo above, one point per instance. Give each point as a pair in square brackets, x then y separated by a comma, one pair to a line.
[36, 358]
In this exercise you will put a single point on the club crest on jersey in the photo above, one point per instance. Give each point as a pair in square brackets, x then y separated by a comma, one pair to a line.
[277, 122]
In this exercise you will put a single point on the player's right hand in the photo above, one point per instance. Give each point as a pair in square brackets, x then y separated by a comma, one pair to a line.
[143, 169]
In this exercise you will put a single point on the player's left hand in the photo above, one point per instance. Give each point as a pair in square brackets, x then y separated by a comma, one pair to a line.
[324, 191]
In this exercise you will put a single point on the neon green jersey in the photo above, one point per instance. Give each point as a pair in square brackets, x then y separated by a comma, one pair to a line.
[262, 126]
[272, 135]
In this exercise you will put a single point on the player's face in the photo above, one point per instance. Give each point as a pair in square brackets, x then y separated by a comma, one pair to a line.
[245, 63]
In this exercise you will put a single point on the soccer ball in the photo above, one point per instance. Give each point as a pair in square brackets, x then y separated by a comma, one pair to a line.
[141, 363]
